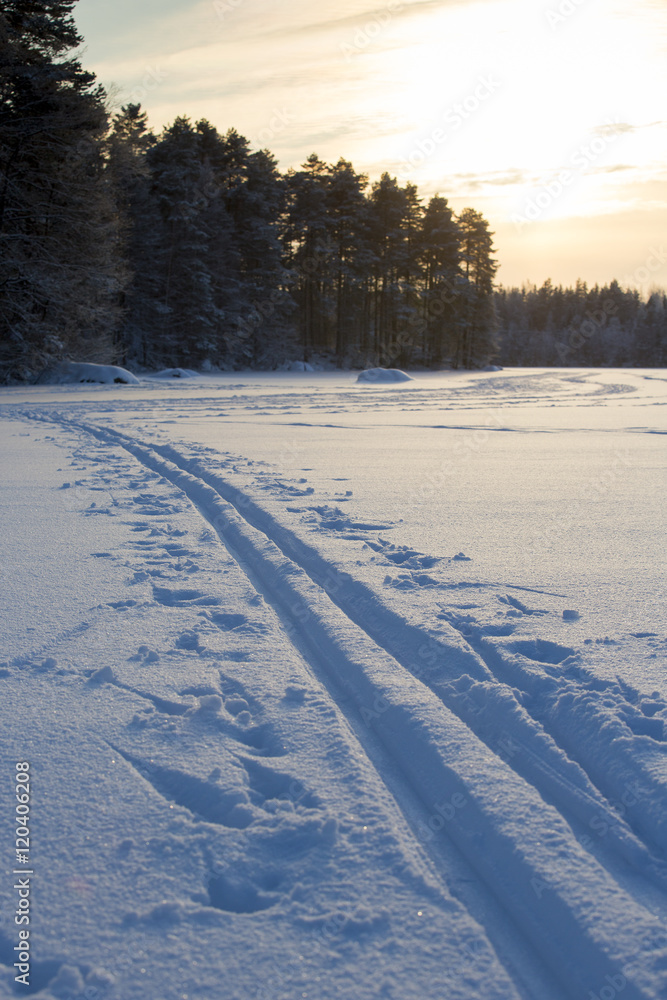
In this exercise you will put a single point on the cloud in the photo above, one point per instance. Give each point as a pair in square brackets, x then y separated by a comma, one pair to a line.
[371, 82]
[371, 15]
[621, 127]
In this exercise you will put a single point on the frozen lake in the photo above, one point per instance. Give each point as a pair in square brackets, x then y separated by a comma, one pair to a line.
[339, 689]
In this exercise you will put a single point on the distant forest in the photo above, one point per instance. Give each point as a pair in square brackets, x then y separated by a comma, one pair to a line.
[190, 249]
[581, 326]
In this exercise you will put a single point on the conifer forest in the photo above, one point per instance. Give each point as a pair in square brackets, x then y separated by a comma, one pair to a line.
[189, 248]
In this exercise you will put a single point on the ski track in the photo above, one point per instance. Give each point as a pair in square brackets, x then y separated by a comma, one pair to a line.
[457, 722]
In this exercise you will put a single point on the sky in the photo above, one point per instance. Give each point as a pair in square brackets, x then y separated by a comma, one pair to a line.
[548, 116]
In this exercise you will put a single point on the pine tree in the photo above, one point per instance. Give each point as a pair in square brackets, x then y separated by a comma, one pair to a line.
[60, 258]
[395, 227]
[349, 233]
[127, 147]
[476, 343]
[651, 334]
[441, 258]
[256, 206]
[307, 239]
[197, 283]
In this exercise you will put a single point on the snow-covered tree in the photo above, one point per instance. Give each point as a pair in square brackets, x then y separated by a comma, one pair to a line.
[395, 241]
[476, 342]
[443, 282]
[194, 263]
[256, 205]
[126, 151]
[60, 254]
[347, 208]
[307, 240]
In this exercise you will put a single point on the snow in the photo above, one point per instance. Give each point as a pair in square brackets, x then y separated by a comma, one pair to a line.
[334, 695]
[375, 376]
[69, 372]
[175, 373]
[297, 366]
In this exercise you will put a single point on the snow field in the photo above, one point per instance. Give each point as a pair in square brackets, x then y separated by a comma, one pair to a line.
[193, 817]
[340, 721]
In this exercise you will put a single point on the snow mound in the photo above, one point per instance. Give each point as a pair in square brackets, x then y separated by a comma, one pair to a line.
[175, 373]
[69, 372]
[374, 375]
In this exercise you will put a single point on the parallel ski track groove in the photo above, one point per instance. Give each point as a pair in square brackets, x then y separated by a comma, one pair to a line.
[569, 799]
[491, 657]
[574, 954]
[398, 788]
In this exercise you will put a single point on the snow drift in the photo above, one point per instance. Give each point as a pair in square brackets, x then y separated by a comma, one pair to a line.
[71, 372]
[383, 375]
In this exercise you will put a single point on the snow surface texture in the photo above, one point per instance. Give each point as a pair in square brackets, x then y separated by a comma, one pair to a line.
[175, 373]
[335, 695]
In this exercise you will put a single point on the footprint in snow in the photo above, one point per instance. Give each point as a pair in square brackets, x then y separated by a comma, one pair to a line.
[641, 725]
[542, 651]
[190, 641]
[228, 622]
[410, 581]
[518, 606]
[183, 597]
[228, 807]
[226, 711]
[144, 655]
[234, 798]
[403, 555]
[334, 519]
[235, 894]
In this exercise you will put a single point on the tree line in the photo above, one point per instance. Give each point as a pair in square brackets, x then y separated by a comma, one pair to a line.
[233, 262]
[188, 248]
[581, 326]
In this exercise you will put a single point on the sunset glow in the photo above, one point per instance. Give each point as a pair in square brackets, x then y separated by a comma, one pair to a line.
[546, 116]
